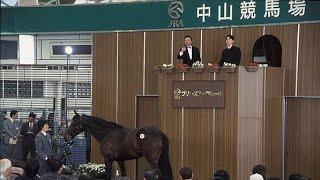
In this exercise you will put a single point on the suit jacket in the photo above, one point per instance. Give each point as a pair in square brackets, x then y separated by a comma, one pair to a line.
[43, 146]
[27, 137]
[11, 129]
[186, 57]
[232, 55]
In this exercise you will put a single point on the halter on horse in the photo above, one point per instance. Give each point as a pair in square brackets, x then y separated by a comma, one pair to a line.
[118, 143]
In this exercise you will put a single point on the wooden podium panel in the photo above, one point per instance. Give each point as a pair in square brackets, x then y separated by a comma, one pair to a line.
[235, 138]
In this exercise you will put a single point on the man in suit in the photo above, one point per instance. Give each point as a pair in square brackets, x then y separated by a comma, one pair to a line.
[12, 132]
[231, 54]
[29, 130]
[190, 54]
[43, 146]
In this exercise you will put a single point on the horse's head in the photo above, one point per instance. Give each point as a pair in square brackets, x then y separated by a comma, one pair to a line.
[75, 128]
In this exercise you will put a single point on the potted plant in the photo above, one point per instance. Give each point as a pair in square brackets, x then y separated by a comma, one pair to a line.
[197, 67]
[213, 68]
[229, 67]
[251, 67]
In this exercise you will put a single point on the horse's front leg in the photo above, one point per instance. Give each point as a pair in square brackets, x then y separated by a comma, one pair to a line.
[108, 168]
[122, 168]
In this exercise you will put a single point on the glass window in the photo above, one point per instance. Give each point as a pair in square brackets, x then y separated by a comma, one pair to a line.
[24, 89]
[10, 89]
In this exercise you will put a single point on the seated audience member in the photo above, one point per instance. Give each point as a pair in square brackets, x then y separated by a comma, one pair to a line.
[221, 175]
[7, 171]
[55, 168]
[30, 170]
[231, 54]
[151, 175]
[185, 173]
[85, 176]
[260, 169]
[298, 177]
[256, 177]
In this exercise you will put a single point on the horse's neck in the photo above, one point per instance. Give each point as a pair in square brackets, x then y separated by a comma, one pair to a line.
[99, 131]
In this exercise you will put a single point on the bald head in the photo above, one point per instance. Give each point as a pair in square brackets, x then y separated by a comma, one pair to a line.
[5, 165]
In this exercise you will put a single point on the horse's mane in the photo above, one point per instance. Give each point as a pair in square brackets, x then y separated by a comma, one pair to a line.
[101, 122]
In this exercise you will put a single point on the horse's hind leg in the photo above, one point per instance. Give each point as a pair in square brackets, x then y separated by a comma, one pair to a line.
[122, 168]
[153, 156]
[108, 168]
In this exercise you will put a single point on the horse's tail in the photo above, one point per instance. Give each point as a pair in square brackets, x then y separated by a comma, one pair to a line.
[164, 161]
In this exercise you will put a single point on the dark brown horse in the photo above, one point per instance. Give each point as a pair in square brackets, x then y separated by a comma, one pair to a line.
[118, 143]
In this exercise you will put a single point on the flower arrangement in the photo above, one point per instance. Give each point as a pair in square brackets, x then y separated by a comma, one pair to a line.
[167, 66]
[98, 170]
[225, 64]
[213, 67]
[182, 68]
[229, 67]
[251, 67]
[197, 67]
[197, 64]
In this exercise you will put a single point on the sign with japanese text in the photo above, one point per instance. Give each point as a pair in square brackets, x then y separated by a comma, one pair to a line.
[200, 94]
[162, 15]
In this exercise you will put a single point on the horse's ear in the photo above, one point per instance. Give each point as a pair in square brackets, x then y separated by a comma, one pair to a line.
[75, 112]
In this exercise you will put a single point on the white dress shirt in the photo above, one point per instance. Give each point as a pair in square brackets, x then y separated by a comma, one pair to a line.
[189, 48]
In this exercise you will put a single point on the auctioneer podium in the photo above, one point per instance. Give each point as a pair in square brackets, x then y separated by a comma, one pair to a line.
[246, 132]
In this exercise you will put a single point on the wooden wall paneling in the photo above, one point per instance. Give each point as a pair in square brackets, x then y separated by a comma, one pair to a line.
[158, 52]
[226, 123]
[245, 37]
[250, 121]
[302, 137]
[198, 135]
[309, 63]
[178, 41]
[214, 41]
[130, 81]
[171, 120]
[147, 115]
[274, 84]
[104, 83]
[287, 35]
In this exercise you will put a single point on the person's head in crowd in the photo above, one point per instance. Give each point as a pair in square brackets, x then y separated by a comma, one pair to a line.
[5, 168]
[187, 40]
[31, 167]
[256, 177]
[229, 40]
[185, 173]
[43, 125]
[273, 178]
[260, 169]
[32, 116]
[221, 174]
[151, 175]
[86, 176]
[298, 177]
[14, 114]
[55, 165]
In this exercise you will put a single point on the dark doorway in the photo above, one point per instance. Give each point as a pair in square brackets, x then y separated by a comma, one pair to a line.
[267, 50]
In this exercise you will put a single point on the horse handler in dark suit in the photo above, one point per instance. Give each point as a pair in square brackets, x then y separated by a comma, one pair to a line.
[43, 147]
[29, 130]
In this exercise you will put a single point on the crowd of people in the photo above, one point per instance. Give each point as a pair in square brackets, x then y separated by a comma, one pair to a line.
[39, 162]
[259, 172]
